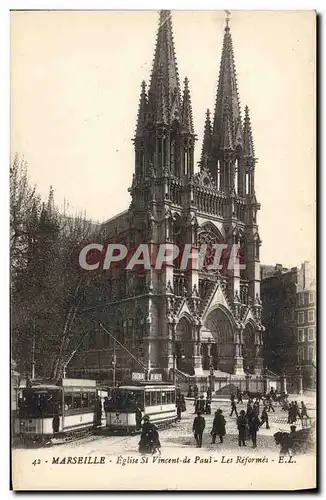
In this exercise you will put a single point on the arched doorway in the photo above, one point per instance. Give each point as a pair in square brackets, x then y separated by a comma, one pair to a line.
[222, 345]
[184, 346]
[248, 349]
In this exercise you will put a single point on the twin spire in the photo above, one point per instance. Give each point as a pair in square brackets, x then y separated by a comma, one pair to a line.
[163, 103]
[226, 132]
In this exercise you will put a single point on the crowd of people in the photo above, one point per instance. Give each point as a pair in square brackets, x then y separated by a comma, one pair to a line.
[249, 420]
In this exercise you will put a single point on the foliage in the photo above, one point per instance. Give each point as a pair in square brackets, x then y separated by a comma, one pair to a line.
[47, 284]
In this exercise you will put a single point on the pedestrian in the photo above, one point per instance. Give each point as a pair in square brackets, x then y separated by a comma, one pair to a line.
[208, 407]
[233, 409]
[232, 397]
[198, 429]
[304, 410]
[189, 395]
[218, 426]
[200, 404]
[270, 405]
[195, 396]
[264, 418]
[179, 410]
[239, 396]
[183, 403]
[242, 428]
[209, 394]
[254, 425]
[256, 406]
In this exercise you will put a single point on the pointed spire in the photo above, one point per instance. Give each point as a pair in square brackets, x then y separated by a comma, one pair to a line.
[187, 120]
[165, 71]
[227, 140]
[227, 94]
[207, 141]
[161, 105]
[248, 145]
[142, 111]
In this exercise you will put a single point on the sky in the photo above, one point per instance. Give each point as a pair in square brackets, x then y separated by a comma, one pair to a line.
[75, 85]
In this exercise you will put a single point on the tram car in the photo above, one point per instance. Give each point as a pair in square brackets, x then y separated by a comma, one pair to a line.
[127, 405]
[48, 410]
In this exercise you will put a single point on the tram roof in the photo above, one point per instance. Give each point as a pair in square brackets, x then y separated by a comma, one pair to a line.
[147, 385]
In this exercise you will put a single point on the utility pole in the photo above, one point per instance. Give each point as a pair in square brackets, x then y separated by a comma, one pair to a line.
[174, 367]
[33, 352]
[124, 348]
[114, 362]
[64, 369]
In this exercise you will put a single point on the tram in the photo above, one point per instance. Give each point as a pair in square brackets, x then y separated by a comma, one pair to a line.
[127, 405]
[49, 410]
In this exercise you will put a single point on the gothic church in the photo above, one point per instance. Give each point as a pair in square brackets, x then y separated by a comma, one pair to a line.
[202, 319]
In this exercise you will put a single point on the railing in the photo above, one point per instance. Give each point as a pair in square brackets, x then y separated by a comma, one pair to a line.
[176, 192]
[209, 202]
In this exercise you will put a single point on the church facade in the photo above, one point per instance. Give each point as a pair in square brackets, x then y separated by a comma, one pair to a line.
[202, 319]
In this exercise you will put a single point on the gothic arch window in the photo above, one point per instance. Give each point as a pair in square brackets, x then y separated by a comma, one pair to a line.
[242, 254]
[172, 157]
[209, 236]
[247, 182]
[186, 158]
[236, 176]
[218, 180]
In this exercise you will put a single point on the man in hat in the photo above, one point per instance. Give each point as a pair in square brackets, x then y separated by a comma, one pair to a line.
[233, 408]
[198, 429]
[242, 427]
[149, 440]
[218, 426]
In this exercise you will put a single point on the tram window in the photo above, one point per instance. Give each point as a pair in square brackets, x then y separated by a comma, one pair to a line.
[153, 398]
[172, 397]
[168, 397]
[163, 398]
[91, 400]
[77, 401]
[84, 401]
[158, 398]
[147, 398]
[68, 401]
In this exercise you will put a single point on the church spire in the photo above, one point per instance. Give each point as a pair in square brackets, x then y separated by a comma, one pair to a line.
[142, 111]
[165, 77]
[207, 141]
[227, 100]
[187, 120]
[248, 145]
[227, 140]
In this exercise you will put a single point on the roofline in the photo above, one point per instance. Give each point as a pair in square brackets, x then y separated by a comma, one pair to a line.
[115, 217]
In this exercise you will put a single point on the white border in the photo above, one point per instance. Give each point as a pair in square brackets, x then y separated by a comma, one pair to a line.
[5, 6]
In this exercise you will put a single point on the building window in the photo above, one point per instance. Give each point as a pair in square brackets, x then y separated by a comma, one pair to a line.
[301, 354]
[300, 335]
[311, 315]
[301, 299]
[311, 334]
[311, 353]
[301, 317]
[311, 297]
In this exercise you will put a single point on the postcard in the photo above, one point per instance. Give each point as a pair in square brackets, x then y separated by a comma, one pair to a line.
[162, 242]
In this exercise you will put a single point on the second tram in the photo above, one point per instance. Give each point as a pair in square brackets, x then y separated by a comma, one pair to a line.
[127, 405]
